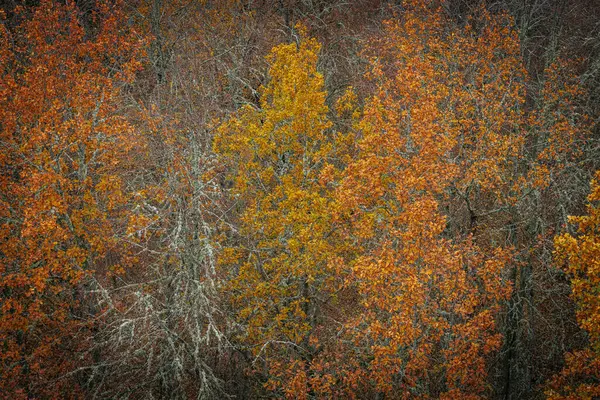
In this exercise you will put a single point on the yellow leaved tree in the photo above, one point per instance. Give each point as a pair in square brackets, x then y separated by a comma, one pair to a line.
[580, 256]
[282, 157]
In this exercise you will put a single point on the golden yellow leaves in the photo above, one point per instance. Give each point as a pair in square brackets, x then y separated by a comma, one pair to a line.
[281, 158]
[580, 257]
[446, 126]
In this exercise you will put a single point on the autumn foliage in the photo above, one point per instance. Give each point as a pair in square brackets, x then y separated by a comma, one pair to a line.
[290, 199]
[284, 269]
[430, 298]
[579, 256]
[63, 190]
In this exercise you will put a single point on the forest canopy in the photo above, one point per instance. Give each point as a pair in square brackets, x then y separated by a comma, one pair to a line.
[301, 199]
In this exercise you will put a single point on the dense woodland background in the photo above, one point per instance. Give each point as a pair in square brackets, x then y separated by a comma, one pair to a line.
[299, 199]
